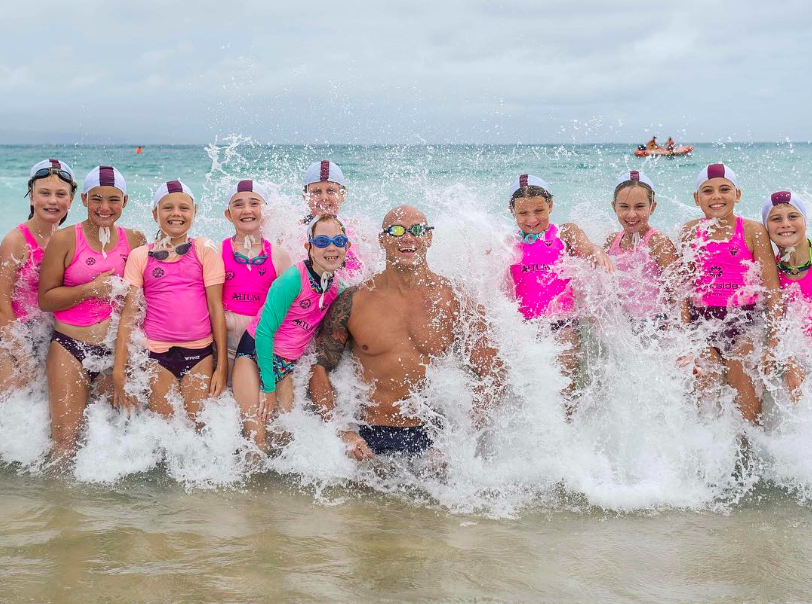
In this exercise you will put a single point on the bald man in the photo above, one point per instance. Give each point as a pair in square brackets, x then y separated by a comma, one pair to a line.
[394, 325]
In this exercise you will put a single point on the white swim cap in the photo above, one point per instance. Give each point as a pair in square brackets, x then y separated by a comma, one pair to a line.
[716, 171]
[173, 186]
[104, 176]
[778, 198]
[248, 185]
[51, 163]
[323, 171]
[311, 225]
[528, 180]
[634, 175]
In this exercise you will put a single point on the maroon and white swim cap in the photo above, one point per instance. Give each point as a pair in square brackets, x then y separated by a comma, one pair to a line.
[104, 176]
[323, 171]
[248, 185]
[781, 197]
[528, 180]
[173, 186]
[634, 175]
[716, 171]
[56, 164]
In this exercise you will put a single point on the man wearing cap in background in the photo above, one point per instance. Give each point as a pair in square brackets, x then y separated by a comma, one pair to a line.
[395, 325]
[324, 193]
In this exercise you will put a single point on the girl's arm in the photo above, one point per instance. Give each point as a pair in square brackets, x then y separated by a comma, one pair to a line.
[686, 267]
[125, 329]
[135, 238]
[53, 294]
[608, 243]
[666, 256]
[281, 295]
[757, 237]
[578, 244]
[13, 255]
[281, 260]
[214, 300]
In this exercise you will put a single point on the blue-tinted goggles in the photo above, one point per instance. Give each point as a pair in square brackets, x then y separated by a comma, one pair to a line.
[322, 241]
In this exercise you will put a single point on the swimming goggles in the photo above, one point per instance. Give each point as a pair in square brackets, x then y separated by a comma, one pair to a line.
[531, 238]
[255, 261]
[164, 254]
[322, 241]
[398, 230]
[46, 172]
[785, 267]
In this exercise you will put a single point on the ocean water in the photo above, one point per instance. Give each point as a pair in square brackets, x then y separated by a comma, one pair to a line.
[651, 493]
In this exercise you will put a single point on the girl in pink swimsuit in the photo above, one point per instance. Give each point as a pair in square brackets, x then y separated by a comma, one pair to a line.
[324, 193]
[720, 251]
[642, 255]
[182, 282]
[784, 216]
[51, 187]
[279, 333]
[251, 262]
[76, 285]
[541, 250]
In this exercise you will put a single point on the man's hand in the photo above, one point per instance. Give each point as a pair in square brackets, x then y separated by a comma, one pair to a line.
[356, 446]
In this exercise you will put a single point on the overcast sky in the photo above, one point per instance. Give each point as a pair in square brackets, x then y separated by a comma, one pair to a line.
[152, 71]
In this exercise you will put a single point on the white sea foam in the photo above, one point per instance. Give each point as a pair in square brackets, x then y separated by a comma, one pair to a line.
[640, 439]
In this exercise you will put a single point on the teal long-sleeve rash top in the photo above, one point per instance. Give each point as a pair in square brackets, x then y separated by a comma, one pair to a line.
[281, 295]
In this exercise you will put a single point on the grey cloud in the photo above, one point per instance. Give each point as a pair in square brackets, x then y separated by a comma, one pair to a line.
[405, 72]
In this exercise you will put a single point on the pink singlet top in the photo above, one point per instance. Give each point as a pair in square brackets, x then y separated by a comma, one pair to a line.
[638, 276]
[539, 289]
[24, 298]
[302, 319]
[721, 269]
[177, 308]
[86, 265]
[244, 289]
[798, 289]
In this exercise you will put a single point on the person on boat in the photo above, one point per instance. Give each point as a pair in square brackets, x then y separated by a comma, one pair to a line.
[652, 144]
[669, 144]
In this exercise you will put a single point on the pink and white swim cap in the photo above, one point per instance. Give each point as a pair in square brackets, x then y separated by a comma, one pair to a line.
[104, 176]
[634, 175]
[323, 171]
[779, 198]
[56, 164]
[528, 180]
[251, 186]
[716, 171]
[173, 186]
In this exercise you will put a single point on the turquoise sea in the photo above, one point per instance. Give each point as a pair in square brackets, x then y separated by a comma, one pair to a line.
[649, 494]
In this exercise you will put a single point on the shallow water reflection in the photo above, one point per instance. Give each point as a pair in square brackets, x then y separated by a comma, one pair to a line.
[150, 541]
